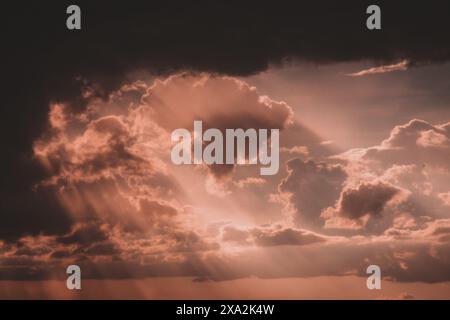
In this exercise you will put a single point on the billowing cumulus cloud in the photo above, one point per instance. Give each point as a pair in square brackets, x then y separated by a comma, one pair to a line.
[130, 213]
[311, 187]
[365, 199]
[416, 142]
[109, 171]
[220, 102]
[86, 171]
[405, 176]
[361, 205]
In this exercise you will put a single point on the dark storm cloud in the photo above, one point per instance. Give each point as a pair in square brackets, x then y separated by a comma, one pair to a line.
[221, 36]
[44, 62]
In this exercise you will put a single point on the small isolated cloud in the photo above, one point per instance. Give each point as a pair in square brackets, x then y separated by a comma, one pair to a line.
[401, 66]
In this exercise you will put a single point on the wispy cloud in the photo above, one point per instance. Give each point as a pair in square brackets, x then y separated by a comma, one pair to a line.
[401, 66]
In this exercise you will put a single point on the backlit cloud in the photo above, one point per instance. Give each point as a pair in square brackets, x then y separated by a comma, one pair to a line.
[401, 66]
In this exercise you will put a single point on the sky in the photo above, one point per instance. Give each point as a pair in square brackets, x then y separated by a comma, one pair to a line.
[364, 178]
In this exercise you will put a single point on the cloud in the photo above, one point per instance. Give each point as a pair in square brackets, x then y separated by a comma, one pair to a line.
[250, 181]
[433, 139]
[230, 45]
[84, 234]
[309, 188]
[421, 255]
[270, 235]
[413, 160]
[220, 102]
[445, 197]
[235, 235]
[108, 170]
[301, 150]
[401, 66]
[286, 236]
[361, 205]
[366, 199]
[129, 213]
[416, 142]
